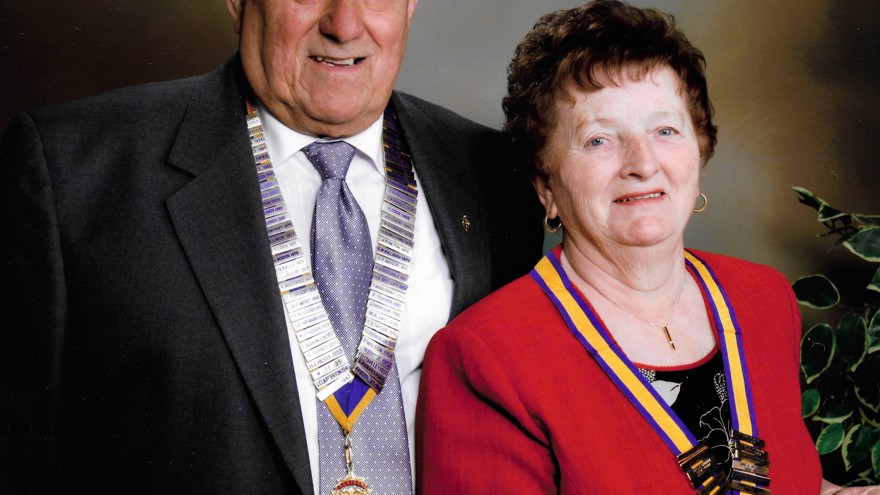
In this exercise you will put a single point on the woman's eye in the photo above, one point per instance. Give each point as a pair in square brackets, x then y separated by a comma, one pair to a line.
[667, 131]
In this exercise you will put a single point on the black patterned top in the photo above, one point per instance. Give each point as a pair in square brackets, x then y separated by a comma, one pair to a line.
[697, 393]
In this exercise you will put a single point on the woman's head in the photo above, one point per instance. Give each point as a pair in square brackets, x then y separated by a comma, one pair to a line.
[587, 48]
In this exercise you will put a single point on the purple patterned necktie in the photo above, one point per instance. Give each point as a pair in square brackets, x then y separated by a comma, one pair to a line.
[342, 264]
[342, 258]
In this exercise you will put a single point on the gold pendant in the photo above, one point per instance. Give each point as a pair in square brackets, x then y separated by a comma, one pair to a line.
[351, 484]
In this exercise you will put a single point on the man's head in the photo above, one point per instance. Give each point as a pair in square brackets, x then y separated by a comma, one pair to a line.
[323, 67]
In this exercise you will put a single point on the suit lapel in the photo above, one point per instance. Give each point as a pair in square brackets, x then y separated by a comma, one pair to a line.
[452, 191]
[220, 224]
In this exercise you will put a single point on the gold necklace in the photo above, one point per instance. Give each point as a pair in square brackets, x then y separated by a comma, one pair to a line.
[665, 326]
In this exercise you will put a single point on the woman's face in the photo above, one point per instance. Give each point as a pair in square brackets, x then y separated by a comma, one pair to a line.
[623, 163]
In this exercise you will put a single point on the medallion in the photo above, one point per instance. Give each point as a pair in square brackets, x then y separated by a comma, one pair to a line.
[350, 484]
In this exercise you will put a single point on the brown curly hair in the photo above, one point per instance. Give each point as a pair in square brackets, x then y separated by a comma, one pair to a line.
[590, 44]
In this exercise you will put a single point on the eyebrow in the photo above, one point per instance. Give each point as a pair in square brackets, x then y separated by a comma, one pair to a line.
[578, 124]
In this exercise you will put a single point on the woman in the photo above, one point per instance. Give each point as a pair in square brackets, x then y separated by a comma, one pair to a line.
[622, 363]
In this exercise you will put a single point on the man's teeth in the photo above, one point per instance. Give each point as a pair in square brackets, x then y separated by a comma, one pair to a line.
[333, 61]
[647, 196]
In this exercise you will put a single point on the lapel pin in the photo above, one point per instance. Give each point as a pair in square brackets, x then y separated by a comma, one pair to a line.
[465, 223]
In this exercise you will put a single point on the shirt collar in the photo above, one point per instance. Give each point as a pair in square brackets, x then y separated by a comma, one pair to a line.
[286, 141]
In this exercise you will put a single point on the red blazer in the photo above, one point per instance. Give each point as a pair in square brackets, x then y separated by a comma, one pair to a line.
[510, 402]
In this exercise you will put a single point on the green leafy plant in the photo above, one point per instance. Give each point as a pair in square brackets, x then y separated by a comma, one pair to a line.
[840, 362]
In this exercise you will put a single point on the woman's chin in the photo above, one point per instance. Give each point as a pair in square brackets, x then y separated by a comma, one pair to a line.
[649, 234]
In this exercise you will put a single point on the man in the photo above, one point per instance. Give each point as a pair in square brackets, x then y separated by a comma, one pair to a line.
[153, 344]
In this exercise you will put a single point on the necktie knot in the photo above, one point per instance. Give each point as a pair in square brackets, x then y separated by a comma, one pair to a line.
[331, 159]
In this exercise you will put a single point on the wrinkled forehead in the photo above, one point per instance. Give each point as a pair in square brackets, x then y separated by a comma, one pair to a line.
[577, 108]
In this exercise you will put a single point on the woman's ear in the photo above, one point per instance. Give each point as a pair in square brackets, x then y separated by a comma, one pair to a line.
[545, 195]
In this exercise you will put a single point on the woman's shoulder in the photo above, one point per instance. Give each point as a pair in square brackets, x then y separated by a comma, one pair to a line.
[724, 266]
[513, 301]
[510, 314]
[740, 278]
[502, 341]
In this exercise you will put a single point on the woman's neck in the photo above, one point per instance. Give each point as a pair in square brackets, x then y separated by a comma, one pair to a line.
[627, 271]
[637, 293]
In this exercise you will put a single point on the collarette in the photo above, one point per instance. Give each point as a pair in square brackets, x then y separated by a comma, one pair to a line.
[286, 141]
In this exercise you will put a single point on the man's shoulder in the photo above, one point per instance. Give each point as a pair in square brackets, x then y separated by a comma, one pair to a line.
[137, 102]
[128, 107]
[430, 127]
[411, 107]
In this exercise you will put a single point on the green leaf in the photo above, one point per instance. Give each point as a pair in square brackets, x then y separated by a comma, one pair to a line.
[850, 454]
[834, 413]
[816, 291]
[872, 435]
[874, 333]
[810, 402]
[830, 439]
[868, 393]
[857, 444]
[865, 243]
[875, 282]
[852, 339]
[808, 198]
[875, 458]
[866, 419]
[827, 212]
[867, 219]
[817, 349]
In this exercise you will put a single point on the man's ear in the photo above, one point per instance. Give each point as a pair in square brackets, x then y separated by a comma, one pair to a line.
[235, 8]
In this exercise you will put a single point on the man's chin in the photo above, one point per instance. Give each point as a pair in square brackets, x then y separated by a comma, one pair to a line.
[340, 123]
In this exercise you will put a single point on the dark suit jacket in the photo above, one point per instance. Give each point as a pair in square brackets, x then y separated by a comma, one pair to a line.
[147, 350]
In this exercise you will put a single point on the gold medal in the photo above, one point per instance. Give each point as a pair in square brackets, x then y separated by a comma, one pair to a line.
[350, 484]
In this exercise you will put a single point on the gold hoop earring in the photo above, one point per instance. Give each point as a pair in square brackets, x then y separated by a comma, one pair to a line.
[548, 228]
[705, 204]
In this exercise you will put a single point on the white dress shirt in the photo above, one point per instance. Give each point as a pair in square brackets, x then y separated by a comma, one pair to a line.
[429, 297]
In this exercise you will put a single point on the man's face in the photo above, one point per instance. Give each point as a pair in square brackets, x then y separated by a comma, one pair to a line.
[323, 67]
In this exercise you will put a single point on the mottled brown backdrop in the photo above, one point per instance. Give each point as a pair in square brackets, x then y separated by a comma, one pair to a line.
[794, 83]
